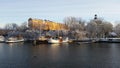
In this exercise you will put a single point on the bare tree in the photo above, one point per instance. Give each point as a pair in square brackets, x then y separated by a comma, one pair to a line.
[23, 26]
[76, 26]
[117, 29]
[106, 28]
[98, 28]
[70, 22]
[11, 26]
[74, 23]
[91, 29]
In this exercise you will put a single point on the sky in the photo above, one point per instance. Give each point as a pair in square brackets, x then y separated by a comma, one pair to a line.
[18, 11]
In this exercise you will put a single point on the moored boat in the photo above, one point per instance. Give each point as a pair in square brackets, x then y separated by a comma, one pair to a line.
[58, 40]
[14, 40]
[2, 39]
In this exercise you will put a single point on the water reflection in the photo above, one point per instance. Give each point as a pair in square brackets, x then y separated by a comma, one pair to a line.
[56, 51]
[27, 55]
[15, 44]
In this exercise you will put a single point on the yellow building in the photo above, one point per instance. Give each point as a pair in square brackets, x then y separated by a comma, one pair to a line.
[45, 25]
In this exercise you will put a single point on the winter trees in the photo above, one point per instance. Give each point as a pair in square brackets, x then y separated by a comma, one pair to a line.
[74, 23]
[76, 27]
[117, 29]
[23, 26]
[14, 26]
[106, 28]
[11, 26]
[98, 28]
[91, 29]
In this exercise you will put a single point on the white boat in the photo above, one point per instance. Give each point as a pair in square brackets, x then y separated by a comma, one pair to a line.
[14, 40]
[2, 39]
[58, 40]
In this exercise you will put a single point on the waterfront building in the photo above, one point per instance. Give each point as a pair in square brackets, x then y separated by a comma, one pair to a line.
[45, 25]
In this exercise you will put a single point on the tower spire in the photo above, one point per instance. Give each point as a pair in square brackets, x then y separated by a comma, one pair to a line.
[95, 16]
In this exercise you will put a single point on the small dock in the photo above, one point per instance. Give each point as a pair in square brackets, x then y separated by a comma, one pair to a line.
[109, 40]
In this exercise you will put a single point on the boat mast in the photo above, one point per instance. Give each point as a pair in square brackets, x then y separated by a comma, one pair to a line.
[41, 27]
[58, 30]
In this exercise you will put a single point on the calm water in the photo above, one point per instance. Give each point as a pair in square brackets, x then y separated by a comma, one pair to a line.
[26, 55]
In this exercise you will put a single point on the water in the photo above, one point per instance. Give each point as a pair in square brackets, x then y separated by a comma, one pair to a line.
[86, 55]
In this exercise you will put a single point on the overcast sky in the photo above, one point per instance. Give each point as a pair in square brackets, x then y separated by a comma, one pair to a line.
[18, 11]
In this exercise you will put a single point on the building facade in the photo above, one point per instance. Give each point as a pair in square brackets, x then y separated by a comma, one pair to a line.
[45, 25]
